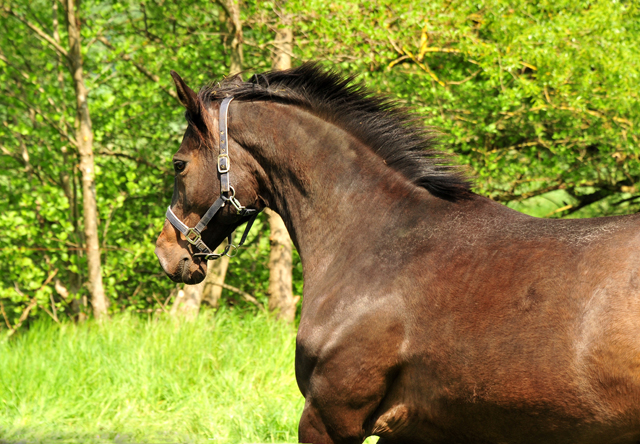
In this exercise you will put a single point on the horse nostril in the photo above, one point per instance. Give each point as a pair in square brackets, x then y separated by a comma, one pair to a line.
[184, 268]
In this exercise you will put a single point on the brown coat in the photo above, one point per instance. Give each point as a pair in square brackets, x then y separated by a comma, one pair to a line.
[430, 314]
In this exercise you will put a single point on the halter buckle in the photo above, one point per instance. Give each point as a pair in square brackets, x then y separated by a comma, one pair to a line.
[196, 236]
[224, 164]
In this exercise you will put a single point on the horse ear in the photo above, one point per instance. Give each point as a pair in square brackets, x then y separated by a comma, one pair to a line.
[186, 95]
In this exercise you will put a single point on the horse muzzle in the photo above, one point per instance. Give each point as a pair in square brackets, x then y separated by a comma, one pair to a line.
[177, 261]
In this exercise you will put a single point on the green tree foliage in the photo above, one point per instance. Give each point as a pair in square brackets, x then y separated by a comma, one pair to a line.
[534, 96]
[137, 125]
[539, 99]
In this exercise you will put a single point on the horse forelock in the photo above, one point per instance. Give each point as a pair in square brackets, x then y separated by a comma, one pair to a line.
[381, 123]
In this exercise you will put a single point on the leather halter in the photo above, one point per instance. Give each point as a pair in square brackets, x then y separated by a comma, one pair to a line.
[227, 194]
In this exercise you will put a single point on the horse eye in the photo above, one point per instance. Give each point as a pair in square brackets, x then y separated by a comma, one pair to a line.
[179, 165]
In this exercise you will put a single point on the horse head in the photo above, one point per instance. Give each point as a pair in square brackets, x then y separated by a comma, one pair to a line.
[203, 182]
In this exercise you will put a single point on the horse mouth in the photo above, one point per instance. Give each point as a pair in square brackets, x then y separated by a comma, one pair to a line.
[188, 276]
[188, 270]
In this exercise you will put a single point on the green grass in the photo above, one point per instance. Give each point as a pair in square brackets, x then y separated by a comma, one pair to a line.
[224, 378]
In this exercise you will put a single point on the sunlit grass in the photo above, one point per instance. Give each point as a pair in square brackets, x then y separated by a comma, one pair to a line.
[226, 378]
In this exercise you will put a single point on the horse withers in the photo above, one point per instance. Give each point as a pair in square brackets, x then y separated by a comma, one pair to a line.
[430, 314]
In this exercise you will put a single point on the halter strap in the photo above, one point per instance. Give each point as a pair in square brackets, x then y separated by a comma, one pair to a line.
[227, 194]
[224, 163]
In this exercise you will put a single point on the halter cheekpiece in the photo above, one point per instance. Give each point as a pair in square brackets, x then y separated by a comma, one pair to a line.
[227, 194]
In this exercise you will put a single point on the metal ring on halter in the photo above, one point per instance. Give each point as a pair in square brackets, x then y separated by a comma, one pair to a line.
[235, 202]
[213, 256]
[235, 250]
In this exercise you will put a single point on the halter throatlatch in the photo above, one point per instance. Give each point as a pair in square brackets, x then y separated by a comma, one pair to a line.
[227, 194]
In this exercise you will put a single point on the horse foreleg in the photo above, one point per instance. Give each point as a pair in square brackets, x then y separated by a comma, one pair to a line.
[313, 428]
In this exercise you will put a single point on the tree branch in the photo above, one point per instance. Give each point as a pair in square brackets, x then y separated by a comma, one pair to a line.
[151, 76]
[424, 67]
[33, 301]
[39, 32]
[4, 315]
[106, 152]
[26, 77]
[246, 296]
[584, 201]
[510, 197]
[224, 6]
[37, 110]
[466, 79]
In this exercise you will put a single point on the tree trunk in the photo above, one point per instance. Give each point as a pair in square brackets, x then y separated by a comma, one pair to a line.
[284, 47]
[234, 25]
[85, 149]
[68, 293]
[281, 299]
[188, 301]
[212, 289]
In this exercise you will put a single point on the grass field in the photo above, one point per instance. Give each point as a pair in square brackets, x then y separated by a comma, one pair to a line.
[224, 378]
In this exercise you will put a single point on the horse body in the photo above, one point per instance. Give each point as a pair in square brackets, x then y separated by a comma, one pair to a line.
[427, 319]
[502, 328]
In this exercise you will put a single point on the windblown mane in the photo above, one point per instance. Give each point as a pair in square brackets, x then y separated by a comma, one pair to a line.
[379, 122]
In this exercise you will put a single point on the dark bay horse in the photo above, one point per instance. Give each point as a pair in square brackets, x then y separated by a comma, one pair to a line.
[430, 314]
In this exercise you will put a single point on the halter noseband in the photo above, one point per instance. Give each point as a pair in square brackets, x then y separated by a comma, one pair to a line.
[227, 194]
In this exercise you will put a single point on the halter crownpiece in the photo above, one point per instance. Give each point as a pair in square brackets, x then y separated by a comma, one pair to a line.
[227, 194]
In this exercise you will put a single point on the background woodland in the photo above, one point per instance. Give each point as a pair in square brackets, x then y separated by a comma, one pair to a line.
[539, 99]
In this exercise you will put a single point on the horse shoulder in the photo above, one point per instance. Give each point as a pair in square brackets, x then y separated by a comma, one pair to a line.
[348, 352]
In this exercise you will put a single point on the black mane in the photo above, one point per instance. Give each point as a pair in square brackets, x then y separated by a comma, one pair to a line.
[379, 122]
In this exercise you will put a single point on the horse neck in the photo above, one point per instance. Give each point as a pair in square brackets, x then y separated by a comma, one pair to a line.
[332, 191]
